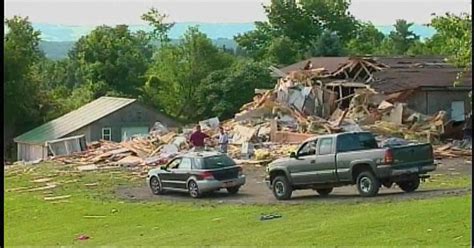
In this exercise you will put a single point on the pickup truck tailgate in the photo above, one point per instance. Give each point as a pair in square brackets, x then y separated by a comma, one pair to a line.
[412, 155]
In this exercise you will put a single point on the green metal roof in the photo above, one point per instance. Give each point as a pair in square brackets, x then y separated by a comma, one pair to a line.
[74, 120]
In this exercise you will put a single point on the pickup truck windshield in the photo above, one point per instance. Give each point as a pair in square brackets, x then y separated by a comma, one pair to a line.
[356, 142]
[215, 162]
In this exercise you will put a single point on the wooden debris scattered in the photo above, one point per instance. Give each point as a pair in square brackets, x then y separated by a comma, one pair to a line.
[91, 184]
[54, 198]
[94, 216]
[50, 186]
[42, 180]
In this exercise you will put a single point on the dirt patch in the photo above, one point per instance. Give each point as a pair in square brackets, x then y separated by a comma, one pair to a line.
[256, 192]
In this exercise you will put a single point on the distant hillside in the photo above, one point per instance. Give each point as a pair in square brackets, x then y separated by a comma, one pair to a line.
[56, 49]
[52, 32]
[58, 39]
[59, 49]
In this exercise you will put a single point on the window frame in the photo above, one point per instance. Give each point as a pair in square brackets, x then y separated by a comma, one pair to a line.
[110, 133]
[172, 161]
[190, 164]
[330, 147]
[315, 143]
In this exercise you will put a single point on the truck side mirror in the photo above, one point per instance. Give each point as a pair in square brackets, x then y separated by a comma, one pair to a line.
[293, 155]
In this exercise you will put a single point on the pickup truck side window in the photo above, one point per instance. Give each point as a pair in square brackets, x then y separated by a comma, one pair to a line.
[325, 146]
[356, 142]
[308, 149]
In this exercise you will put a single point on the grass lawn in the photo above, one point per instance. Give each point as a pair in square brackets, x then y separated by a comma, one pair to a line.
[31, 220]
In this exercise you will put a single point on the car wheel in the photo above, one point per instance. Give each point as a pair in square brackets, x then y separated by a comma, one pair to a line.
[324, 192]
[367, 184]
[233, 190]
[193, 189]
[409, 186]
[281, 188]
[155, 186]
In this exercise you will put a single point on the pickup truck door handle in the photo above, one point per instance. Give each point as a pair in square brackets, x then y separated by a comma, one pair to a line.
[312, 161]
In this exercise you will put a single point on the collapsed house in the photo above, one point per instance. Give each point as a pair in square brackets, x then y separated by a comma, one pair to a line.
[107, 118]
[347, 94]
[426, 85]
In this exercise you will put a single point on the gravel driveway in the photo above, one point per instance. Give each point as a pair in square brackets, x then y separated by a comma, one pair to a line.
[256, 192]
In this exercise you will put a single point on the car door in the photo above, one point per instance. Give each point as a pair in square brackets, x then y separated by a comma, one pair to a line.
[168, 177]
[182, 173]
[325, 161]
[302, 167]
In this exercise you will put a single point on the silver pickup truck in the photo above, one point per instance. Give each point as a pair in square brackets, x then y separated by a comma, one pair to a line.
[324, 162]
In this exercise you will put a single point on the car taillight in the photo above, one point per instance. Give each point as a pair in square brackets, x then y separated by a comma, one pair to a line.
[388, 158]
[206, 175]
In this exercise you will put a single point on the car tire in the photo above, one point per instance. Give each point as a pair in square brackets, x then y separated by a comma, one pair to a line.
[193, 189]
[367, 184]
[156, 186]
[410, 185]
[281, 188]
[324, 192]
[233, 190]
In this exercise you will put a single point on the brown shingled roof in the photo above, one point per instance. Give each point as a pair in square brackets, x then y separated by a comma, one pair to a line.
[393, 80]
[329, 63]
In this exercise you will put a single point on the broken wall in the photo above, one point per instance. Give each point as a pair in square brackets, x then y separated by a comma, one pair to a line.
[429, 102]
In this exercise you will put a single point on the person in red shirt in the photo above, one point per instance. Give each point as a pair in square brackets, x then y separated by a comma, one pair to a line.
[197, 138]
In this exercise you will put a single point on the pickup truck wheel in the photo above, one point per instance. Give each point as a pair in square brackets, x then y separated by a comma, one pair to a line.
[409, 186]
[324, 192]
[155, 186]
[281, 188]
[233, 190]
[367, 184]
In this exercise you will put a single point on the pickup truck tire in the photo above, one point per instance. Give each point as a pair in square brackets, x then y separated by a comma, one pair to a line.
[367, 184]
[409, 186]
[324, 192]
[281, 188]
[233, 190]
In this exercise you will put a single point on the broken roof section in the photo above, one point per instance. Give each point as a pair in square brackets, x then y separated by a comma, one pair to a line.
[414, 73]
[329, 63]
[74, 120]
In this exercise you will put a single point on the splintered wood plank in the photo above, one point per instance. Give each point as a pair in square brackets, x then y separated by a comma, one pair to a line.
[53, 198]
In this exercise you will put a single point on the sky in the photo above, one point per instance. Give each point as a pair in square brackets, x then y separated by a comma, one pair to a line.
[112, 12]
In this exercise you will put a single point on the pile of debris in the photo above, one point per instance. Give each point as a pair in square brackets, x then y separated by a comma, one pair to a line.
[151, 150]
[302, 104]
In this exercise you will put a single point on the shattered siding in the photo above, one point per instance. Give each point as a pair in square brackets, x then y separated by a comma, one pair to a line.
[429, 102]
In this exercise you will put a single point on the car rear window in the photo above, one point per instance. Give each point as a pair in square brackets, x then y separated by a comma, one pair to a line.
[356, 142]
[215, 162]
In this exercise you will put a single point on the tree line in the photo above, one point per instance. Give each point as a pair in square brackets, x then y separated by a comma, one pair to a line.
[193, 79]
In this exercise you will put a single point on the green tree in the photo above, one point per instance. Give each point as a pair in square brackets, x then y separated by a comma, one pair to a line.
[368, 39]
[112, 57]
[178, 70]
[159, 25]
[454, 35]
[255, 43]
[328, 44]
[21, 98]
[303, 22]
[282, 52]
[402, 38]
[225, 91]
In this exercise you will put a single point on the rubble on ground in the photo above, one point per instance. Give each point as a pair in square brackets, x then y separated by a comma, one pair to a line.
[302, 104]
